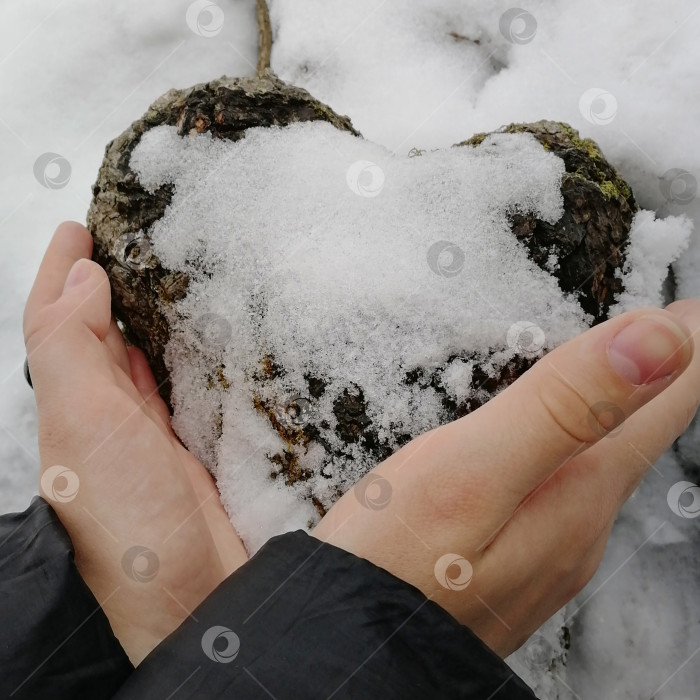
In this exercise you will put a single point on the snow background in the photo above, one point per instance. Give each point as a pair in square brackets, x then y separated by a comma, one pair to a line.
[74, 74]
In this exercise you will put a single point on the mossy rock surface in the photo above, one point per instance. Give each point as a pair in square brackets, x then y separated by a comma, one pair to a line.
[590, 238]
[588, 241]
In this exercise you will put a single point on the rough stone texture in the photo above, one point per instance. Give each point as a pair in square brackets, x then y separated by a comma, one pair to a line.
[121, 207]
[588, 240]
[599, 207]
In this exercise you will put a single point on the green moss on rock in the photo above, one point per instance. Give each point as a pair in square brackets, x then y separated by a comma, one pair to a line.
[588, 242]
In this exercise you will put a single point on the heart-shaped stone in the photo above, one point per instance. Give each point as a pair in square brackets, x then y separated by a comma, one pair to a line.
[310, 302]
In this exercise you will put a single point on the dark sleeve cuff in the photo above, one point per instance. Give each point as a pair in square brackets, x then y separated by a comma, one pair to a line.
[55, 641]
[304, 620]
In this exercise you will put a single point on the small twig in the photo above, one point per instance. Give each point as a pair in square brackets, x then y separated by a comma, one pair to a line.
[264, 37]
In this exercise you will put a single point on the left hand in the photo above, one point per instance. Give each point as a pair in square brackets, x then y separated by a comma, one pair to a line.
[101, 417]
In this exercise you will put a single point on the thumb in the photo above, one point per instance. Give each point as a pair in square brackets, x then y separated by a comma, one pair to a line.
[68, 342]
[86, 296]
[572, 398]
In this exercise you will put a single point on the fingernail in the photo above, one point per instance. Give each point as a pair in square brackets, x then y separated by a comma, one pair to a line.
[78, 274]
[648, 349]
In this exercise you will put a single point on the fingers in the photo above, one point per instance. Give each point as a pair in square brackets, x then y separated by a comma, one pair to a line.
[542, 585]
[568, 401]
[70, 243]
[552, 532]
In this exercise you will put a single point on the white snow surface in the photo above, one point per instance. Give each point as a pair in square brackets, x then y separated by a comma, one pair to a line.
[338, 285]
[429, 74]
[74, 74]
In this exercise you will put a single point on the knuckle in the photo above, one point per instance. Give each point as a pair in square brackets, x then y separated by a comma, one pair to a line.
[569, 412]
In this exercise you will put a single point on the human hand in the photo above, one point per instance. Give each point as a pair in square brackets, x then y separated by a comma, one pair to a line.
[131, 482]
[523, 492]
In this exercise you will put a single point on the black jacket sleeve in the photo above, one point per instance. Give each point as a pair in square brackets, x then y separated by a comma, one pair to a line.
[301, 620]
[304, 620]
[55, 641]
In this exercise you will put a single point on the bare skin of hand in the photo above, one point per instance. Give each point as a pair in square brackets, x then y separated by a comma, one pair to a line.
[524, 489]
[100, 415]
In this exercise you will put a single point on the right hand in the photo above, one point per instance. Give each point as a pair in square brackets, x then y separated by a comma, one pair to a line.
[524, 488]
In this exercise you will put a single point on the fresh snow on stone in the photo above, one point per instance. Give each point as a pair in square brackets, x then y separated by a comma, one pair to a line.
[336, 272]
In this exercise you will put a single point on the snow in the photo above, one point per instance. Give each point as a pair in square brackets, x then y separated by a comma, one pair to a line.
[429, 74]
[75, 74]
[344, 280]
[654, 245]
